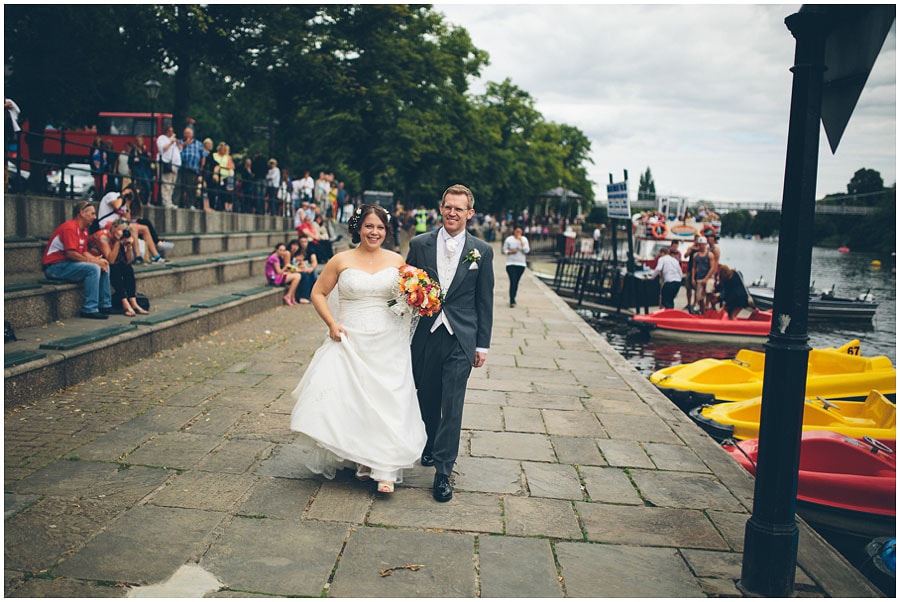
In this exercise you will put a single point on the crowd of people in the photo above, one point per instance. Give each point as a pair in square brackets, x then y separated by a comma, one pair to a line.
[709, 284]
[188, 173]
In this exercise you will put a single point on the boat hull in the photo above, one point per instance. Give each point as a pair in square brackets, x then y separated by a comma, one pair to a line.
[713, 325]
[820, 306]
[876, 417]
[842, 483]
[834, 373]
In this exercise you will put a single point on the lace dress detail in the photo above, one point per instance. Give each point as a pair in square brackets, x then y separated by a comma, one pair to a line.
[356, 402]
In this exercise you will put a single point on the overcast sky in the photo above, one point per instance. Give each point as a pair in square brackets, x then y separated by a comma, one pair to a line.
[700, 94]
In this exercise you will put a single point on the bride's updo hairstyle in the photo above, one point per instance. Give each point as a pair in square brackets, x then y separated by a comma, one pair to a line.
[359, 215]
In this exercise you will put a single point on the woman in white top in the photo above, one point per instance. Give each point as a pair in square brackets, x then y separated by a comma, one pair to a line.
[515, 247]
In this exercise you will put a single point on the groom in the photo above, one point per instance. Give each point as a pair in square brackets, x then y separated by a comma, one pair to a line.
[445, 347]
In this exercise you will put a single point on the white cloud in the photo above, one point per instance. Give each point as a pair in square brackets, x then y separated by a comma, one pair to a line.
[699, 93]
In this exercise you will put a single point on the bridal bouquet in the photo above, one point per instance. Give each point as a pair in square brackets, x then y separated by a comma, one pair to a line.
[416, 292]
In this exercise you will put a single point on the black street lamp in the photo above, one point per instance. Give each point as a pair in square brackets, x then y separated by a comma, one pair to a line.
[152, 86]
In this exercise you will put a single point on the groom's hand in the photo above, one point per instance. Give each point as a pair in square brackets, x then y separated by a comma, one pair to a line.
[480, 358]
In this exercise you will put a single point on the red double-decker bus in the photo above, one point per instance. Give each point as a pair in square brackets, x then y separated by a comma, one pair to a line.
[62, 146]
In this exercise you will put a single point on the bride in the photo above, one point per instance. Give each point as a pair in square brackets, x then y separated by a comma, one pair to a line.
[356, 404]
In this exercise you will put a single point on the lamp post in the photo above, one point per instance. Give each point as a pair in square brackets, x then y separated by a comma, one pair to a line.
[152, 86]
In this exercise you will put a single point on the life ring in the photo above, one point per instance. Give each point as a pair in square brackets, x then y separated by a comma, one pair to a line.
[709, 231]
[659, 230]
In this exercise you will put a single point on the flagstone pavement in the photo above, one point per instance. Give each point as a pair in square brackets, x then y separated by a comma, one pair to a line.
[176, 477]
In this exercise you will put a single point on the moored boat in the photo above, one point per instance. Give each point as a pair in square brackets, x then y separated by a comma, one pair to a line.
[844, 483]
[823, 305]
[875, 417]
[711, 325]
[834, 373]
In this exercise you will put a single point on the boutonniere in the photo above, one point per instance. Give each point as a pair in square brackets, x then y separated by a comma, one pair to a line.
[473, 255]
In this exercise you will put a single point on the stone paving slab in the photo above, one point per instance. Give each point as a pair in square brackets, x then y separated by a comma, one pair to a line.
[276, 557]
[517, 446]
[536, 517]
[501, 559]
[642, 526]
[491, 475]
[577, 450]
[342, 501]
[674, 457]
[203, 491]
[684, 490]
[235, 456]
[443, 562]
[278, 498]
[89, 480]
[624, 453]
[552, 480]
[44, 533]
[173, 450]
[523, 420]
[474, 512]
[607, 571]
[145, 545]
[573, 423]
[609, 485]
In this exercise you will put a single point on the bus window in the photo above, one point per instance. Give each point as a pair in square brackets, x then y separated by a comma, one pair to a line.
[118, 126]
[143, 126]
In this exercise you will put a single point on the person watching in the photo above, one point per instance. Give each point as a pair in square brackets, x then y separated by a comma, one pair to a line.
[115, 243]
[66, 257]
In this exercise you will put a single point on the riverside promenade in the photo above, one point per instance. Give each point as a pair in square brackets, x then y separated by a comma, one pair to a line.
[176, 477]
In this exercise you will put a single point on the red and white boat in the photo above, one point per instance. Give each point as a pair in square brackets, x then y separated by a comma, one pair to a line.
[713, 325]
[845, 484]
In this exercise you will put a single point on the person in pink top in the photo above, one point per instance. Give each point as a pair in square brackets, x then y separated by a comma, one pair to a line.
[277, 275]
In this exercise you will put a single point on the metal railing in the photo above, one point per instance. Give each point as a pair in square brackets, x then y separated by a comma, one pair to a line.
[243, 196]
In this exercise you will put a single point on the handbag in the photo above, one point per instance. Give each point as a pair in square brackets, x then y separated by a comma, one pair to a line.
[166, 167]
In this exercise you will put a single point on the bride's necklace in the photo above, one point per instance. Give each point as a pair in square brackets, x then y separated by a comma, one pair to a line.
[369, 257]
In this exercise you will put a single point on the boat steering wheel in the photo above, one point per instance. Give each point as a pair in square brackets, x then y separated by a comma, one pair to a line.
[877, 445]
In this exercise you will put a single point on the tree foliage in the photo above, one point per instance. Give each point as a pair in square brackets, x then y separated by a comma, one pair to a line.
[377, 93]
[647, 187]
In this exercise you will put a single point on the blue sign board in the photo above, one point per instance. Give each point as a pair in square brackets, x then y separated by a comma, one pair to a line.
[617, 200]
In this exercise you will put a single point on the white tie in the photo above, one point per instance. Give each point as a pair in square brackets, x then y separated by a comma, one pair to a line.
[450, 246]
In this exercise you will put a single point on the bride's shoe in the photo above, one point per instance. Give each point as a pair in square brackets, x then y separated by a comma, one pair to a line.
[385, 487]
[362, 477]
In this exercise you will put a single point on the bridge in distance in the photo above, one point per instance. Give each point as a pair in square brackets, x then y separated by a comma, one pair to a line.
[721, 207]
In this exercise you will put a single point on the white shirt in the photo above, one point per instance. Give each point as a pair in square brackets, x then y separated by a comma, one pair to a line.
[168, 154]
[669, 267]
[307, 185]
[516, 258]
[447, 268]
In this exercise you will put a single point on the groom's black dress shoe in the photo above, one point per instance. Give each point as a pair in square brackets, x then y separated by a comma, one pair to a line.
[443, 491]
[427, 460]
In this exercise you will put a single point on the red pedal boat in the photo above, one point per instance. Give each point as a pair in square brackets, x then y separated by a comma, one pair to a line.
[845, 484]
[711, 325]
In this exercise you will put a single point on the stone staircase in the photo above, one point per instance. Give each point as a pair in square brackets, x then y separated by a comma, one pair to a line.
[214, 275]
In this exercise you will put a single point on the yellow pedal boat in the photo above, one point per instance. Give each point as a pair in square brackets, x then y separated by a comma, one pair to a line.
[832, 372]
[876, 417]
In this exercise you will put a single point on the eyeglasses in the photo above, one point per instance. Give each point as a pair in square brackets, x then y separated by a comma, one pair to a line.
[458, 210]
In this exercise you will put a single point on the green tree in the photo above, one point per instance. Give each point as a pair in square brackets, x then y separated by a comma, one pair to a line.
[647, 187]
[865, 181]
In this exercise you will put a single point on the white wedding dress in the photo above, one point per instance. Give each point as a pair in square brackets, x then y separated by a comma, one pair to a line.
[356, 403]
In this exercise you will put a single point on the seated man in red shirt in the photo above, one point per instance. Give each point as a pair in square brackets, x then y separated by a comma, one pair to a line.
[66, 258]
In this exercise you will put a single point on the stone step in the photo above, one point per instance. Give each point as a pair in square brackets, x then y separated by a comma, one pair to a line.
[60, 354]
[41, 301]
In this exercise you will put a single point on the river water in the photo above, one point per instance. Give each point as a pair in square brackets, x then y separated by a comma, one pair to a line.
[851, 274]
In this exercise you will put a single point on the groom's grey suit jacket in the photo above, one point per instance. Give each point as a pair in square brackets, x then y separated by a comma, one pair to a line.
[469, 302]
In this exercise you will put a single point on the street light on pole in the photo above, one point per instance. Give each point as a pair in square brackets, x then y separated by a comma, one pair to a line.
[152, 86]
